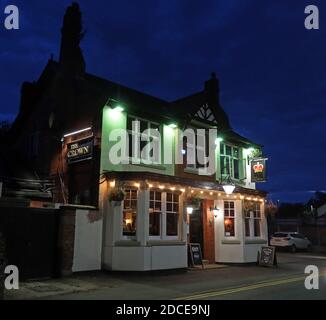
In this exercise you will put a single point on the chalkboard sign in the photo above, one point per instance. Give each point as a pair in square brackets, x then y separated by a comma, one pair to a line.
[196, 258]
[267, 257]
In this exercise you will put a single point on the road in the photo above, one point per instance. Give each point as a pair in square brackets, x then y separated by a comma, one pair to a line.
[249, 282]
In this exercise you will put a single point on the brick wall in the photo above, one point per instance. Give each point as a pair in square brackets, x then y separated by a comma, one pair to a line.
[67, 240]
[208, 224]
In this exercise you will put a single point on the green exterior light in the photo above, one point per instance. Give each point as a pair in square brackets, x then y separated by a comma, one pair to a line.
[173, 126]
[218, 140]
[118, 108]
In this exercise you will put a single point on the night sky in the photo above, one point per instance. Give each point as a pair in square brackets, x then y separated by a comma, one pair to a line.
[271, 69]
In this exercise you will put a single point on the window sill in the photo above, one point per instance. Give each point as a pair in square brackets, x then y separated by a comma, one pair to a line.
[255, 241]
[127, 243]
[154, 243]
[153, 166]
[194, 171]
[225, 241]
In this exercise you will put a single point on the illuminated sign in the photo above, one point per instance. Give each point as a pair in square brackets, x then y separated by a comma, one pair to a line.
[80, 150]
[258, 170]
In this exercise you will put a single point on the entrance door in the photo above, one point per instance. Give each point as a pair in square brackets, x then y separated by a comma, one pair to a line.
[196, 232]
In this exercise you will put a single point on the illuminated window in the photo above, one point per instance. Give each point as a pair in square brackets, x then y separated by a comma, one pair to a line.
[230, 161]
[252, 219]
[130, 213]
[163, 215]
[155, 212]
[229, 219]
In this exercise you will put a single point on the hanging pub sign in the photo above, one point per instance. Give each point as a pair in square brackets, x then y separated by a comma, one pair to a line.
[80, 150]
[258, 170]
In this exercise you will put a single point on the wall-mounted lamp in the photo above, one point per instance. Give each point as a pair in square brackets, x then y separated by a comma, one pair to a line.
[190, 210]
[215, 211]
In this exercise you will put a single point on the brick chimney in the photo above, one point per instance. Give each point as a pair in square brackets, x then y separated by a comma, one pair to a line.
[71, 56]
[212, 89]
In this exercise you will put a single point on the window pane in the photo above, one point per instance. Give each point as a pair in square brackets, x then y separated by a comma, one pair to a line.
[169, 197]
[229, 227]
[143, 126]
[155, 224]
[222, 145]
[236, 169]
[129, 223]
[169, 206]
[172, 224]
[235, 152]
[257, 227]
[175, 207]
[129, 123]
[228, 150]
[247, 227]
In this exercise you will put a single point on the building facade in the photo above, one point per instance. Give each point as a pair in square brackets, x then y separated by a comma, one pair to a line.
[67, 131]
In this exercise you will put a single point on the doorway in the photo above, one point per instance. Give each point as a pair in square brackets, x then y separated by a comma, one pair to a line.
[196, 231]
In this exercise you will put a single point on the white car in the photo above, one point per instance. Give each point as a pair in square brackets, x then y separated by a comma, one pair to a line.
[290, 240]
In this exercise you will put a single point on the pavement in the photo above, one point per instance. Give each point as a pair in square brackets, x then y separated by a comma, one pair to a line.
[248, 282]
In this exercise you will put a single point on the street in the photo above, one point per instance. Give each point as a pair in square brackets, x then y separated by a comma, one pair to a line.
[286, 282]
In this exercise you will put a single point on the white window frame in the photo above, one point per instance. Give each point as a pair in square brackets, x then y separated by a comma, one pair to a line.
[231, 160]
[163, 217]
[129, 237]
[252, 216]
[228, 216]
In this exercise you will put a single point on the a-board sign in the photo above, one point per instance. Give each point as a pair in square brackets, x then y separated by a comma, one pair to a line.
[267, 257]
[196, 258]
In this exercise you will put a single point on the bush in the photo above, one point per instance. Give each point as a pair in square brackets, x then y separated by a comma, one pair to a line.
[116, 195]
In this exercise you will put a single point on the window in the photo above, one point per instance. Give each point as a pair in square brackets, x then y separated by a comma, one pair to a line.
[199, 149]
[229, 215]
[163, 215]
[247, 224]
[252, 219]
[257, 220]
[136, 128]
[130, 213]
[155, 212]
[172, 214]
[230, 161]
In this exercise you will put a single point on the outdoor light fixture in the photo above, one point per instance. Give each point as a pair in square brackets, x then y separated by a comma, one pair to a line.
[173, 125]
[190, 210]
[218, 140]
[76, 132]
[118, 109]
[228, 186]
[215, 211]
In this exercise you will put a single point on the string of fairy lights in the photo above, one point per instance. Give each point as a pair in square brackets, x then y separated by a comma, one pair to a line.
[193, 192]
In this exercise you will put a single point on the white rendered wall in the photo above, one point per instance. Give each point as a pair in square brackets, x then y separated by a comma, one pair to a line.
[237, 249]
[88, 241]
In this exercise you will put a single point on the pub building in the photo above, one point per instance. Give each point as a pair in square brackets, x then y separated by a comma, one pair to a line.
[137, 217]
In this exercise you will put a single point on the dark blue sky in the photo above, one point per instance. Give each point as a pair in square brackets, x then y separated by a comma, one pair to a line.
[271, 69]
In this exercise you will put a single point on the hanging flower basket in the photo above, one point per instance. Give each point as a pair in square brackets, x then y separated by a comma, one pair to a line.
[116, 196]
[193, 202]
